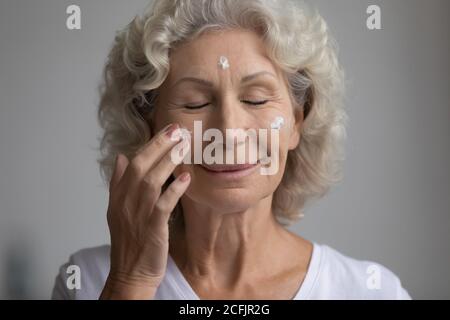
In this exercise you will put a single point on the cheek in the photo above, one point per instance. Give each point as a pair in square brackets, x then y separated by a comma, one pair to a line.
[185, 120]
[285, 142]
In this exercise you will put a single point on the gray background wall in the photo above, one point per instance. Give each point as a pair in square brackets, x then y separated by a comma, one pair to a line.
[392, 207]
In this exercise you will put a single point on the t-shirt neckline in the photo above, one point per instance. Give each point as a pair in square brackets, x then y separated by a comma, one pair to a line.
[185, 291]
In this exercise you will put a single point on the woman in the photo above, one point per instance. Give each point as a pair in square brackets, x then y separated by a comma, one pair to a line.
[217, 229]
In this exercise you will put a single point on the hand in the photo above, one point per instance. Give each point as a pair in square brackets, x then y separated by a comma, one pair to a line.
[138, 216]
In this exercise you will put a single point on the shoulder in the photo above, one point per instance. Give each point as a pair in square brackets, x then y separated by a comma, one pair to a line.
[86, 271]
[343, 277]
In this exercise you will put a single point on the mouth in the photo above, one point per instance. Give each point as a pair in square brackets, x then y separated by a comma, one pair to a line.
[229, 171]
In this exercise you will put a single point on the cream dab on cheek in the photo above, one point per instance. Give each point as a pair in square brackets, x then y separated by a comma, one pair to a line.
[277, 123]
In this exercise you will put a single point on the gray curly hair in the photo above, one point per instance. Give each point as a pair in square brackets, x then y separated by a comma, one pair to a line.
[298, 41]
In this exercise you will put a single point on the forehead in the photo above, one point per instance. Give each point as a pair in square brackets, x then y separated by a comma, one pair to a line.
[244, 50]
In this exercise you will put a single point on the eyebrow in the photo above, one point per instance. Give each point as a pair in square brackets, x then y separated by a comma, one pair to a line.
[207, 83]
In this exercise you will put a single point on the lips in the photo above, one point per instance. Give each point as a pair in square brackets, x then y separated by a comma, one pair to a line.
[228, 167]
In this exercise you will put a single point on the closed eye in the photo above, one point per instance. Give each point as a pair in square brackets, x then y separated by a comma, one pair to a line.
[196, 107]
[255, 103]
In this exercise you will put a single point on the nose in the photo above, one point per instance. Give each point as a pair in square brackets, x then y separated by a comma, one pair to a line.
[230, 114]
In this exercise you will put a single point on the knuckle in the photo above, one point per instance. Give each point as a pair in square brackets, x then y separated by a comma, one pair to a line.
[173, 190]
[160, 141]
[151, 186]
[158, 179]
[161, 207]
[149, 182]
[137, 166]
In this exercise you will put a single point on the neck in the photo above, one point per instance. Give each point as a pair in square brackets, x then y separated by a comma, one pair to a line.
[225, 245]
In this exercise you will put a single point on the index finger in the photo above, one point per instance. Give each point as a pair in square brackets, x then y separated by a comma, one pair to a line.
[150, 154]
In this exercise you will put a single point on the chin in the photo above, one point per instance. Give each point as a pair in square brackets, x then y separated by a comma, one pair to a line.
[229, 199]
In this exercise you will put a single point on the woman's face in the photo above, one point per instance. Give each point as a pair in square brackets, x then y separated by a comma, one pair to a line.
[226, 99]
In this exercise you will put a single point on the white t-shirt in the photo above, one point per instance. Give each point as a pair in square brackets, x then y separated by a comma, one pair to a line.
[330, 275]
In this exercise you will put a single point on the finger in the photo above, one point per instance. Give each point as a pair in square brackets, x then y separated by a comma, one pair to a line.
[120, 166]
[164, 168]
[169, 199]
[152, 183]
[163, 130]
[164, 141]
[152, 152]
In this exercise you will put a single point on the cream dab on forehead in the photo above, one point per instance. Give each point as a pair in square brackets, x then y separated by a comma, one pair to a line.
[223, 62]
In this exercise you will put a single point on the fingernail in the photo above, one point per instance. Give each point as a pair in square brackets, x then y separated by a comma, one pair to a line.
[184, 177]
[166, 128]
[172, 132]
[169, 128]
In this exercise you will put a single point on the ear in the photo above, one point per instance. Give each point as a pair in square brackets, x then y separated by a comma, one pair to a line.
[295, 129]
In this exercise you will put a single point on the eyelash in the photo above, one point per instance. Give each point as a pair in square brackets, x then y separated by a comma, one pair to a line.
[255, 103]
